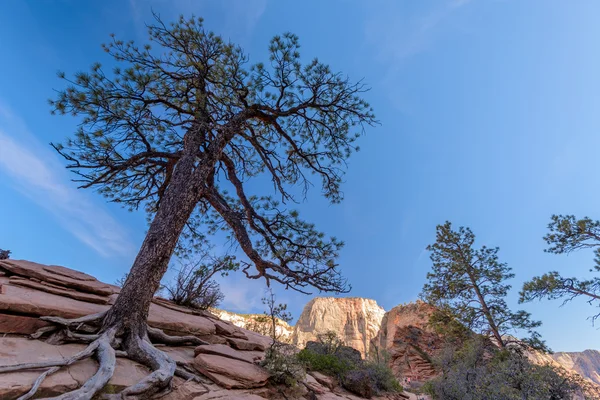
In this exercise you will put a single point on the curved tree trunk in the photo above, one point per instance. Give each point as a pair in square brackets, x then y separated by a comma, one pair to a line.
[131, 308]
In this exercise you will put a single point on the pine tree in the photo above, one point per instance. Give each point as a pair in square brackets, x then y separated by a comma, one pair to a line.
[179, 128]
[568, 234]
[470, 284]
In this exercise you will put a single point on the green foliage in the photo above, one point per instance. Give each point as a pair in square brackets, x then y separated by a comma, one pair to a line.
[273, 315]
[382, 377]
[283, 365]
[469, 286]
[4, 254]
[331, 357]
[478, 370]
[567, 234]
[191, 98]
[328, 364]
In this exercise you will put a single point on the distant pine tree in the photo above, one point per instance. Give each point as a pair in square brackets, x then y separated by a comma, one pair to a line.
[4, 254]
[470, 284]
[568, 234]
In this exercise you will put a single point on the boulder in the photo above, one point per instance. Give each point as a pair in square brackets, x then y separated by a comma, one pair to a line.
[230, 373]
[359, 382]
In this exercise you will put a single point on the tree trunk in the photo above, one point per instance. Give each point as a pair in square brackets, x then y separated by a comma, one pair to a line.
[131, 308]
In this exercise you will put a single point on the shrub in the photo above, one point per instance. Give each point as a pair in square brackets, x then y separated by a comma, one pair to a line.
[283, 365]
[328, 364]
[4, 254]
[382, 377]
[365, 378]
[477, 371]
[193, 286]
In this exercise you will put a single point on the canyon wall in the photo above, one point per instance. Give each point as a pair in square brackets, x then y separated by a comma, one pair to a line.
[355, 320]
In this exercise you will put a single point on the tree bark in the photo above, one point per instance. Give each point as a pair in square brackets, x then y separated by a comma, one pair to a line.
[131, 308]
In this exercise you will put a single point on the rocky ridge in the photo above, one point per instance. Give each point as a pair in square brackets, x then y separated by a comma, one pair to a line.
[228, 364]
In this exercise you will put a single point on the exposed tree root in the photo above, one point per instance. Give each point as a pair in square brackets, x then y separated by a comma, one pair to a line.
[106, 345]
[37, 383]
[156, 335]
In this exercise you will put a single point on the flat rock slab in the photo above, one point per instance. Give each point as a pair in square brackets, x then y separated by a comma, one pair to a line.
[228, 395]
[15, 350]
[242, 344]
[57, 275]
[226, 351]
[19, 324]
[61, 291]
[28, 301]
[32, 302]
[230, 373]
[324, 380]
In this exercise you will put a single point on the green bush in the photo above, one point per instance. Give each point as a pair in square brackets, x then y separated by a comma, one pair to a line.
[382, 377]
[364, 378]
[283, 365]
[328, 364]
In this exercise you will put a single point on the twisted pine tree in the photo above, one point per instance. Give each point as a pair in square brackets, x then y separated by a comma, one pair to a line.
[179, 129]
[470, 285]
[567, 234]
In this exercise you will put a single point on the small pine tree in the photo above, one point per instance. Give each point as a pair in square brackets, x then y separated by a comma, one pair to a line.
[470, 284]
[4, 254]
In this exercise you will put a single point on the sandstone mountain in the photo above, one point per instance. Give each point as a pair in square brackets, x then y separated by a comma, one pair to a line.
[228, 364]
[256, 323]
[585, 363]
[355, 320]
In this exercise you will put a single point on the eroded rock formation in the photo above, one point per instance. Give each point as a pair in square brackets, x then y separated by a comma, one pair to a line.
[355, 320]
[229, 365]
[409, 341]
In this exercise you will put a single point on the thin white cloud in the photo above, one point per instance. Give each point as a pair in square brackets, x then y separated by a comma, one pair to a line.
[397, 34]
[36, 172]
[241, 294]
[238, 18]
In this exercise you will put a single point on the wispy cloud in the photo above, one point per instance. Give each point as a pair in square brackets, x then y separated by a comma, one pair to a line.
[237, 18]
[36, 172]
[398, 31]
[242, 294]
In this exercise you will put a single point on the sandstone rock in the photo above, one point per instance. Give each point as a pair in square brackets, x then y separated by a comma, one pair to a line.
[229, 395]
[359, 382]
[185, 390]
[355, 320]
[28, 301]
[90, 298]
[19, 324]
[242, 344]
[324, 380]
[58, 275]
[409, 341]
[230, 373]
[226, 351]
[14, 350]
[314, 385]
[246, 321]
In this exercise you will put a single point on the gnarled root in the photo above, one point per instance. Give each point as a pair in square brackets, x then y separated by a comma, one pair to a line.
[106, 346]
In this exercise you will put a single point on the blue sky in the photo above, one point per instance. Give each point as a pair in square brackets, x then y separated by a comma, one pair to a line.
[490, 118]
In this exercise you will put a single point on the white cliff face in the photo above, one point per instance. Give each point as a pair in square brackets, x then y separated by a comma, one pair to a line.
[256, 323]
[355, 320]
